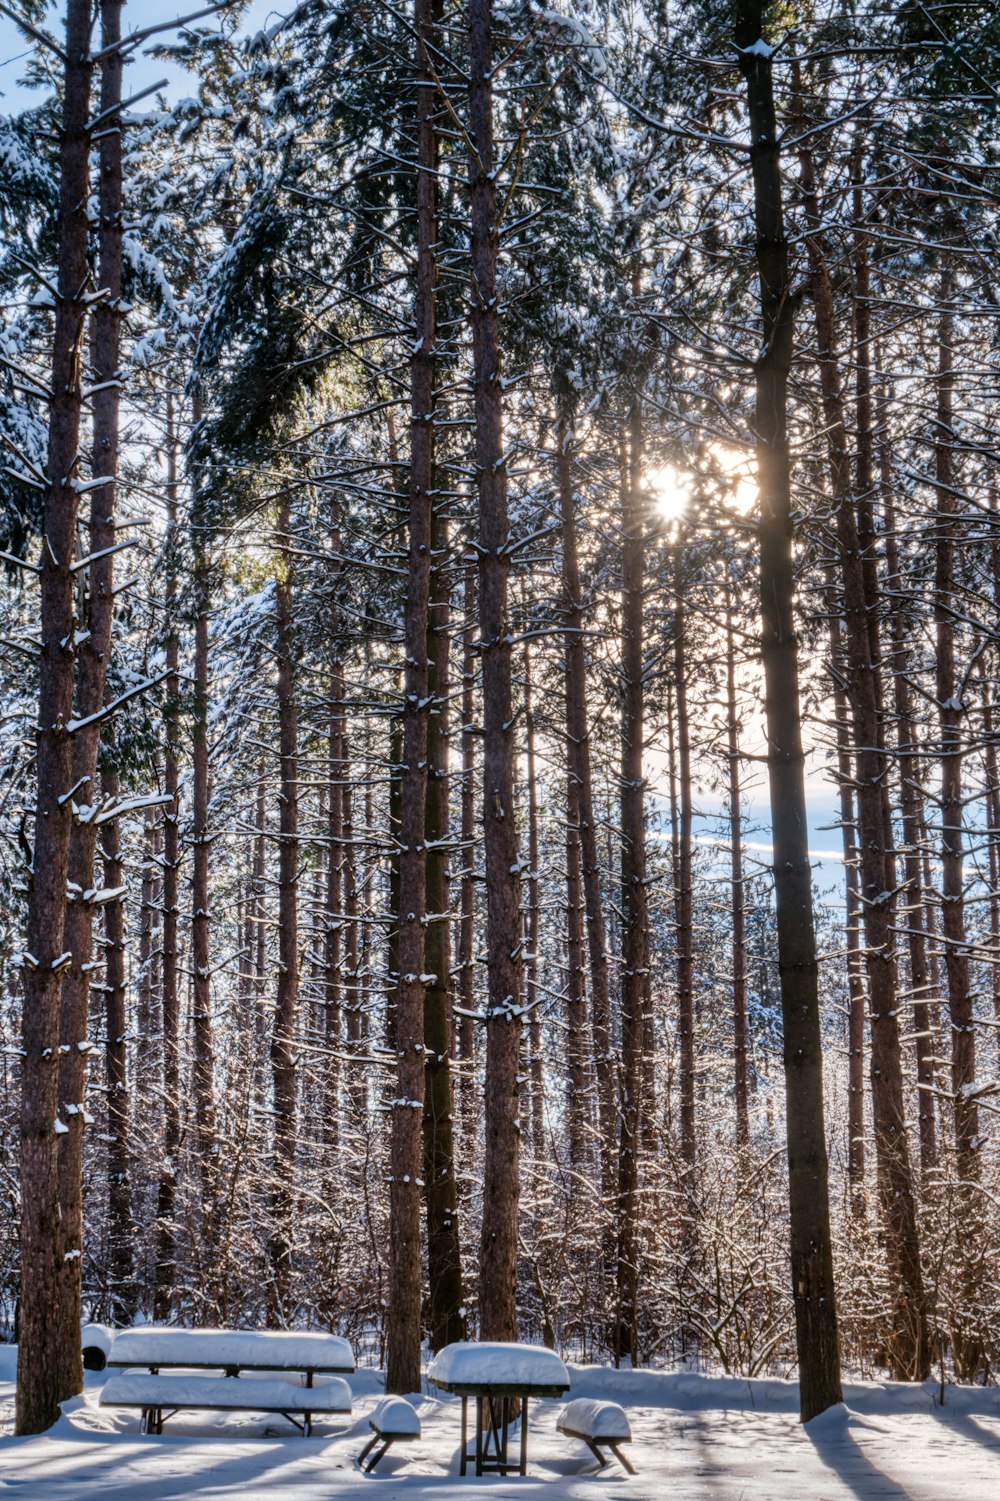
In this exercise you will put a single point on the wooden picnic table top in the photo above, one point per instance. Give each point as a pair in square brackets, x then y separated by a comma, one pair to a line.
[499, 1389]
[232, 1349]
[493, 1368]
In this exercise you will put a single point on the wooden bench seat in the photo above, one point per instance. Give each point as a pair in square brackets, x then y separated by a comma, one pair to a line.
[393, 1421]
[601, 1425]
[159, 1397]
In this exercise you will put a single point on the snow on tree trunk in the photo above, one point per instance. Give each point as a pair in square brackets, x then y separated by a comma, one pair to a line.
[446, 1316]
[403, 1327]
[93, 655]
[121, 1228]
[504, 946]
[283, 1068]
[166, 1203]
[47, 1369]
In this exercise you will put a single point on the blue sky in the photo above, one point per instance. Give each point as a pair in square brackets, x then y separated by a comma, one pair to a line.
[142, 71]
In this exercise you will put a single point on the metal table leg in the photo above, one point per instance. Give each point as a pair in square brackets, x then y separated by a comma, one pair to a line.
[465, 1435]
[479, 1435]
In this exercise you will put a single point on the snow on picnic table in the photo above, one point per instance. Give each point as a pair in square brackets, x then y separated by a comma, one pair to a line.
[471, 1363]
[697, 1437]
[268, 1349]
[131, 1390]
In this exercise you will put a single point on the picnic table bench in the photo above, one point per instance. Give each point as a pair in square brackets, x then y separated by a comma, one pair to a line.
[601, 1425]
[497, 1375]
[160, 1397]
[393, 1420]
[231, 1351]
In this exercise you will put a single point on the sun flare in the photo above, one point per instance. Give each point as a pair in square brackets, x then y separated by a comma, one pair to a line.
[670, 491]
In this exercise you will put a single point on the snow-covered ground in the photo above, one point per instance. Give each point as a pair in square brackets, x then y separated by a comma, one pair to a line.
[696, 1439]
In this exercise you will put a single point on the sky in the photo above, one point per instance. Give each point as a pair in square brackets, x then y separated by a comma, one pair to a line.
[142, 70]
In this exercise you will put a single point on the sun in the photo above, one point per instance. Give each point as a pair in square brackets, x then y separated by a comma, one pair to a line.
[670, 492]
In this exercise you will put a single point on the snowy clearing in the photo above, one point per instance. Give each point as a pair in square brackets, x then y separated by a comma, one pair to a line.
[696, 1437]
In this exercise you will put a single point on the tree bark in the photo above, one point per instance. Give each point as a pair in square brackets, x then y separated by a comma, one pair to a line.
[206, 1143]
[403, 1328]
[166, 1202]
[467, 887]
[93, 654]
[501, 1166]
[817, 1337]
[283, 1069]
[685, 917]
[49, 1359]
[357, 1083]
[150, 902]
[333, 943]
[577, 1074]
[968, 1346]
[741, 1025]
[446, 1314]
[121, 1229]
[634, 895]
[581, 773]
[853, 920]
[532, 926]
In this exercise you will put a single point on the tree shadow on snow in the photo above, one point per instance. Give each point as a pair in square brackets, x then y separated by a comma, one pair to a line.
[965, 1426]
[839, 1449]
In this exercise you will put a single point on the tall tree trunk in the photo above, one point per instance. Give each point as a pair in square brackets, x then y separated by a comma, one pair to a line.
[968, 1346]
[817, 1337]
[396, 753]
[741, 1026]
[166, 1202]
[990, 727]
[580, 771]
[466, 964]
[93, 654]
[911, 908]
[49, 1358]
[444, 1259]
[685, 917]
[501, 1166]
[532, 926]
[333, 945]
[950, 719]
[634, 895]
[283, 1070]
[150, 904]
[577, 1077]
[403, 1327]
[206, 1143]
[853, 920]
[121, 1230]
[357, 1083]
[992, 807]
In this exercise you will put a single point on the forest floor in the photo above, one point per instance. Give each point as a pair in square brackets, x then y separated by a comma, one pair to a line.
[697, 1438]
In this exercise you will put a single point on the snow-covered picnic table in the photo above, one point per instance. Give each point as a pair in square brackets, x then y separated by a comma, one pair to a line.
[232, 1351]
[497, 1375]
